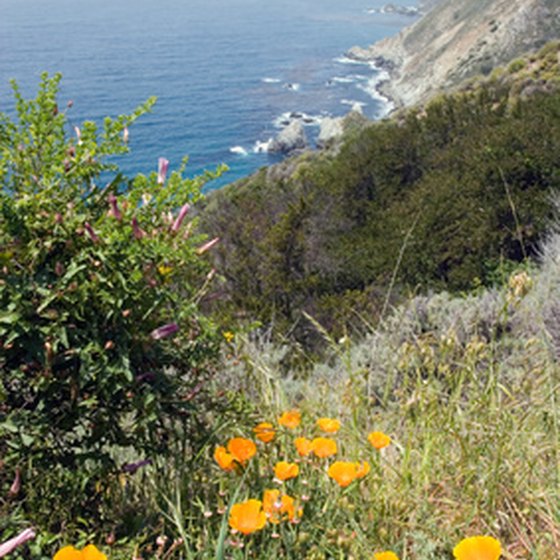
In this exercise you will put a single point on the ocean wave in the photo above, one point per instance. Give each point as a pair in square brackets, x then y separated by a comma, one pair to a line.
[271, 80]
[286, 119]
[343, 80]
[372, 89]
[239, 150]
[353, 103]
[344, 59]
[292, 86]
[262, 147]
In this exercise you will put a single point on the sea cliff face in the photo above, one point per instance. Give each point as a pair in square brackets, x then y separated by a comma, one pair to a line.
[458, 39]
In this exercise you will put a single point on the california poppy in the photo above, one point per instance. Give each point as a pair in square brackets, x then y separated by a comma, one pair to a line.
[264, 432]
[303, 446]
[478, 548]
[247, 517]
[328, 425]
[379, 440]
[323, 447]
[242, 449]
[224, 459]
[290, 419]
[284, 470]
[387, 555]
[343, 472]
[90, 552]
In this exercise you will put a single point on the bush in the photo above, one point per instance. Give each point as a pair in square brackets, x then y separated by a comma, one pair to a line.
[102, 346]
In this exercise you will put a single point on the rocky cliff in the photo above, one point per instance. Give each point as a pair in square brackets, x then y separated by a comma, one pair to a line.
[458, 39]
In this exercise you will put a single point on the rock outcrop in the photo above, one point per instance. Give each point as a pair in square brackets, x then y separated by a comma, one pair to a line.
[290, 139]
[458, 39]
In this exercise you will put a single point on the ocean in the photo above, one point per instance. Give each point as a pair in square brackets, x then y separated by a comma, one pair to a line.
[228, 74]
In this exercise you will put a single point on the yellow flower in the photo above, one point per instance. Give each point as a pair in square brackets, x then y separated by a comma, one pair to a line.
[228, 336]
[242, 449]
[224, 459]
[328, 425]
[343, 472]
[478, 548]
[247, 517]
[323, 447]
[90, 552]
[285, 471]
[363, 469]
[303, 446]
[379, 440]
[290, 419]
[387, 555]
[265, 432]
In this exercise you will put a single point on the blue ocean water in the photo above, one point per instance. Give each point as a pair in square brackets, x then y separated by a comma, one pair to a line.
[227, 73]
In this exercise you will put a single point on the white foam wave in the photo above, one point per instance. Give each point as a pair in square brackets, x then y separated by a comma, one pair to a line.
[343, 80]
[292, 86]
[371, 87]
[271, 80]
[239, 150]
[353, 103]
[286, 119]
[261, 147]
[347, 60]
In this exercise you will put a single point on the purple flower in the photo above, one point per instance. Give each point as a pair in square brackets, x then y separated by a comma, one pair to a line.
[163, 164]
[133, 467]
[182, 213]
[137, 230]
[164, 331]
[115, 211]
[12, 544]
[90, 232]
[207, 246]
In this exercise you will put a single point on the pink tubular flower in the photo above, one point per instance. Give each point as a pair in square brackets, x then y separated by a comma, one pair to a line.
[164, 331]
[125, 135]
[163, 164]
[182, 213]
[89, 230]
[12, 544]
[207, 246]
[137, 230]
[115, 211]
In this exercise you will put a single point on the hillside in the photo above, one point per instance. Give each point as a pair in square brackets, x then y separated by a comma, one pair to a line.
[459, 39]
[445, 198]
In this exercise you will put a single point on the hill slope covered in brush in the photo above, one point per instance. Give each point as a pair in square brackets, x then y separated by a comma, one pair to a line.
[440, 197]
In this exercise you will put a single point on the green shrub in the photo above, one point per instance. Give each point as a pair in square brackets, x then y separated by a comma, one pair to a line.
[94, 280]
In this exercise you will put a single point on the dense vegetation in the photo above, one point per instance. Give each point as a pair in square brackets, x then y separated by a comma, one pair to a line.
[104, 355]
[438, 197]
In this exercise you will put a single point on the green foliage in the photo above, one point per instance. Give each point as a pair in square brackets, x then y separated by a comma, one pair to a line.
[432, 198]
[88, 274]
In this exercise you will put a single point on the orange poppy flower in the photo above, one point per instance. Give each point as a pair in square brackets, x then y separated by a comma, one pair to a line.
[290, 419]
[387, 555]
[224, 459]
[323, 447]
[362, 469]
[247, 517]
[242, 449]
[379, 440]
[478, 548]
[90, 552]
[328, 425]
[284, 470]
[275, 506]
[265, 432]
[303, 446]
[343, 472]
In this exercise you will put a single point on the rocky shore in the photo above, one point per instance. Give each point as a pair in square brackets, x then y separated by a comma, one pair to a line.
[457, 39]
